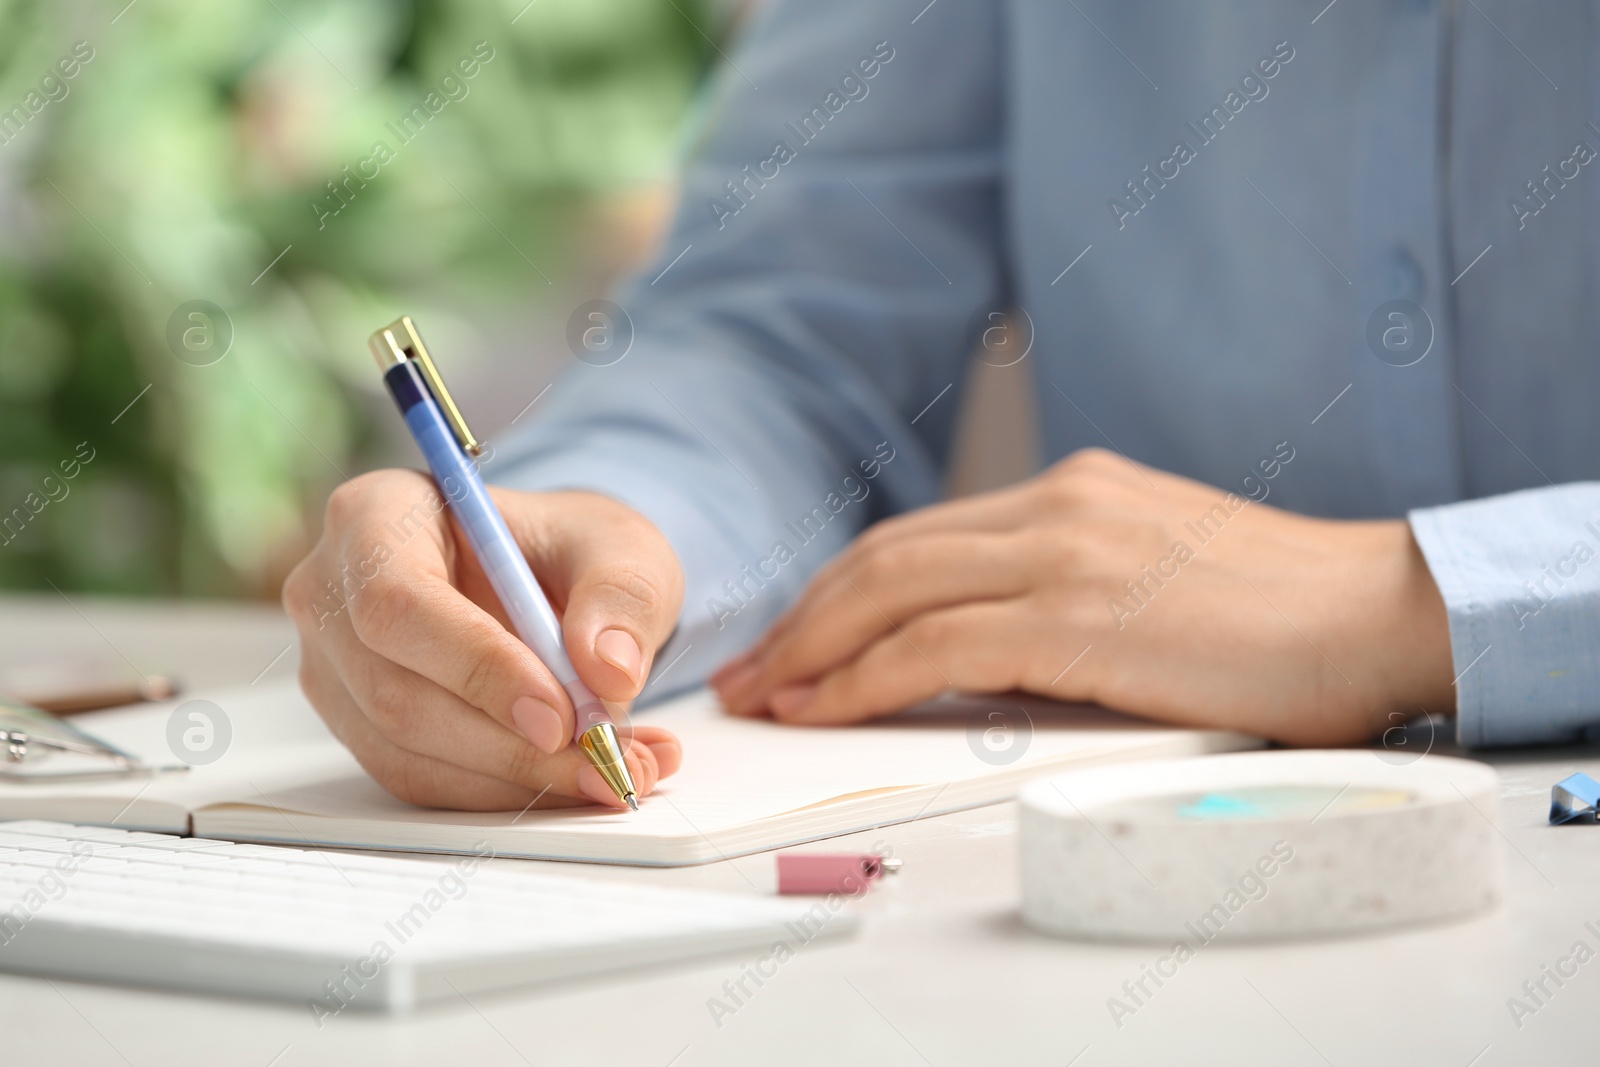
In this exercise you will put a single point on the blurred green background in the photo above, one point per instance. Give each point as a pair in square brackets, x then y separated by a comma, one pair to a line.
[189, 157]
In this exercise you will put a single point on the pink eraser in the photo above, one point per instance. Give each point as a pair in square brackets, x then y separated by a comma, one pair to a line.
[827, 872]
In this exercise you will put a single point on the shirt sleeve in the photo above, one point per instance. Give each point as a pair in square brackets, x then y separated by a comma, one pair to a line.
[788, 370]
[1521, 584]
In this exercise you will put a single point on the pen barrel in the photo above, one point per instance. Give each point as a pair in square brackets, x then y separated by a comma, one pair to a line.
[498, 552]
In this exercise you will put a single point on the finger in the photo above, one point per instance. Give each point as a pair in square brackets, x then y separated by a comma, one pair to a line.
[1001, 509]
[669, 755]
[837, 617]
[663, 744]
[413, 778]
[619, 583]
[1089, 478]
[734, 667]
[973, 647]
[420, 717]
[415, 714]
[649, 771]
[997, 512]
[468, 734]
[409, 611]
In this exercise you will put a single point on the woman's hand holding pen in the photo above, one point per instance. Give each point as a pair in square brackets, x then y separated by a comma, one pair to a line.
[1104, 580]
[410, 659]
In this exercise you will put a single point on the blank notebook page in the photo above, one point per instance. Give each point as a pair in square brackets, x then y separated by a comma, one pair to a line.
[745, 785]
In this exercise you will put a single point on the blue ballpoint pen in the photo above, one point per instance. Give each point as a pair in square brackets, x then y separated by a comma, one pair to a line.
[449, 447]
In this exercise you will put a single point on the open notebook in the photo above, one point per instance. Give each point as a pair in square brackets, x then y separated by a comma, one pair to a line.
[746, 785]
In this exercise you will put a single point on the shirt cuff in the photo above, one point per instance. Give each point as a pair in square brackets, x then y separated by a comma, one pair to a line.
[1521, 583]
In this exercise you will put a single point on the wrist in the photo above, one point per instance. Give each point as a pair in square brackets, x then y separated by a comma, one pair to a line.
[1418, 633]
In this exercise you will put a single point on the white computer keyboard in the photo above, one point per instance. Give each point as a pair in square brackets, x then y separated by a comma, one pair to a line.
[346, 932]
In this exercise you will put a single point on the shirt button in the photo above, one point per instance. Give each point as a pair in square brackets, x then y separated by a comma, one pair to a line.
[1404, 280]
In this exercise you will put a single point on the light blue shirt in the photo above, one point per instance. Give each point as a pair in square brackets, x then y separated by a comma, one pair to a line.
[1213, 220]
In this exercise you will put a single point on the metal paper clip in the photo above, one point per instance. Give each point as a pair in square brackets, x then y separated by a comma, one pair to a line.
[1574, 799]
[28, 737]
[19, 742]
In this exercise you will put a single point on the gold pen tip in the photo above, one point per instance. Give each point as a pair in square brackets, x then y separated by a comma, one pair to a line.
[632, 801]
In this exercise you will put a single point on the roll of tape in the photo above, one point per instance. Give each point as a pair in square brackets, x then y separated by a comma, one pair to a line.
[1259, 845]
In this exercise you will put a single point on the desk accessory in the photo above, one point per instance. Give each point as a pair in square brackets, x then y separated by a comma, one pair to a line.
[1259, 845]
[37, 747]
[331, 932]
[68, 682]
[1575, 798]
[815, 873]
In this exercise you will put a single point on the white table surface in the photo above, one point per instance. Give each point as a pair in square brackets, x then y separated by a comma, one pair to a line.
[942, 972]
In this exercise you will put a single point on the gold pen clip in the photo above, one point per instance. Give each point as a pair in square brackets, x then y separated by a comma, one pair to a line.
[400, 341]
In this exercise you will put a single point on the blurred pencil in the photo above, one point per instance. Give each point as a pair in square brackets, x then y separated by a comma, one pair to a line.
[70, 700]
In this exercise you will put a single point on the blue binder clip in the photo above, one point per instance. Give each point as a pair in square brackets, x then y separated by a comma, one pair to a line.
[1573, 799]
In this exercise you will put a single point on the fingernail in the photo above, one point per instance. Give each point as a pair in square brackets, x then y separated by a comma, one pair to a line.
[539, 723]
[591, 785]
[791, 699]
[618, 648]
